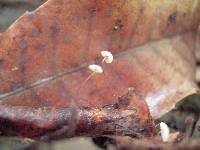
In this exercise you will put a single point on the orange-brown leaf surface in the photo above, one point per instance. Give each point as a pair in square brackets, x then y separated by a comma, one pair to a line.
[44, 55]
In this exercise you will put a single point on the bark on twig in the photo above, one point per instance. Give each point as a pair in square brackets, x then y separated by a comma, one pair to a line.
[122, 118]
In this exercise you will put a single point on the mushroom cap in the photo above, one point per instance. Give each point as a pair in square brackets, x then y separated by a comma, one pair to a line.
[108, 57]
[96, 68]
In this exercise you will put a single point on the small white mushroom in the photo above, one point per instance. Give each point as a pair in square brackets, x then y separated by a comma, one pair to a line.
[96, 68]
[15, 68]
[164, 131]
[107, 56]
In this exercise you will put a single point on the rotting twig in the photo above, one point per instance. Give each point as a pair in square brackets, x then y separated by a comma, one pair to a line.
[115, 119]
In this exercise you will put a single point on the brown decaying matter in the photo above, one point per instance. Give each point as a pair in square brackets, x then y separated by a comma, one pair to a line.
[44, 57]
[51, 123]
[45, 53]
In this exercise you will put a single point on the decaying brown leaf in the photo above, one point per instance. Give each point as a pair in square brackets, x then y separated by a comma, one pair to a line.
[44, 55]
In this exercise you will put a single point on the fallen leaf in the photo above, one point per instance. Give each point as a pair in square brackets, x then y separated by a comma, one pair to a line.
[44, 55]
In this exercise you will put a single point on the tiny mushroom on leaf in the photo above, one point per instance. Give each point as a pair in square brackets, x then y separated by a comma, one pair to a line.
[108, 57]
[164, 130]
[96, 68]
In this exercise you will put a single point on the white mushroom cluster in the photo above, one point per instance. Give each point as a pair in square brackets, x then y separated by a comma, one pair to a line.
[107, 58]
